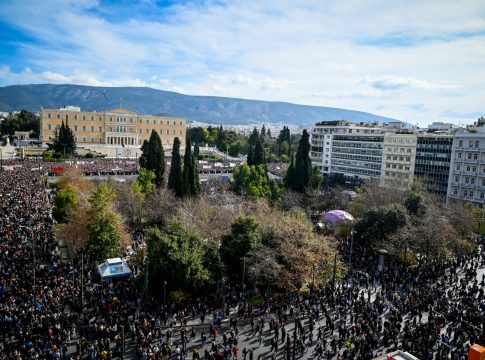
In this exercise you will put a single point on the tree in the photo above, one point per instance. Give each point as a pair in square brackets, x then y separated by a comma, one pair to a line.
[104, 237]
[196, 149]
[317, 179]
[22, 121]
[302, 170]
[245, 235]
[290, 174]
[153, 157]
[177, 256]
[221, 139]
[233, 150]
[175, 176]
[64, 142]
[379, 223]
[258, 154]
[250, 157]
[190, 175]
[263, 133]
[252, 181]
[144, 183]
[284, 137]
[64, 204]
[254, 137]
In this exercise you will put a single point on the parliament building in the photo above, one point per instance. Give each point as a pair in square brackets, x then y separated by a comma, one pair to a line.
[117, 132]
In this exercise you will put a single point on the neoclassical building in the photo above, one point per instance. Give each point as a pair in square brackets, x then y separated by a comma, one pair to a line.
[111, 129]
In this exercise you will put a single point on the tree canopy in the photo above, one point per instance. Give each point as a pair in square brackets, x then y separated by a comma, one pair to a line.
[64, 142]
[153, 157]
[175, 176]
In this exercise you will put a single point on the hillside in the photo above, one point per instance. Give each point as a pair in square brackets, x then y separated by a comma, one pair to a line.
[208, 109]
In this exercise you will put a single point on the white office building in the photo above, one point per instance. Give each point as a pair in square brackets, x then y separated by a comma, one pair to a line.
[398, 159]
[467, 168]
[348, 148]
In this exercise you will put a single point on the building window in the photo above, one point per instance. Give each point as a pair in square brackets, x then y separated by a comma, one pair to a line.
[58, 116]
[100, 140]
[92, 118]
[181, 123]
[469, 156]
[49, 126]
[473, 181]
[477, 144]
[92, 128]
[180, 132]
[471, 193]
[84, 128]
[467, 180]
[75, 127]
[84, 139]
[465, 193]
[84, 117]
[168, 132]
[457, 178]
[49, 116]
[460, 144]
[92, 139]
[100, 128]
[161, 131]
[459, 155]
[75, 117]
[99, 118]
[475, 156]
[482, 195]
[474, 168]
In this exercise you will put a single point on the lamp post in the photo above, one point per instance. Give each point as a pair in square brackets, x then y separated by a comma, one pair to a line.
[164, 296]
[243, 275]
[352, 232]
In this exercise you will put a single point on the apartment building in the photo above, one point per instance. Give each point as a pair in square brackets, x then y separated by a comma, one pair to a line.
[111, 129]
[467, 168]
[349, 148]
[398, 159]
[433, 158]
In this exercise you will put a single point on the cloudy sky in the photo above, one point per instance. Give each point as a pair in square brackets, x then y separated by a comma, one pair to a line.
[418, 61]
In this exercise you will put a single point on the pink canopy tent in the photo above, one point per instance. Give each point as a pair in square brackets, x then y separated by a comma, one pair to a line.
[334, 218]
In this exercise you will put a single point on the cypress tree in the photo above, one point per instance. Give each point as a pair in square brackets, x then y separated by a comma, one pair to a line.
[258, 155]
[253, 138]
[249, 160]
[190, 176]
[153, 157]
[196, 149]
[303, 164]
[175, 176]
[220, 139]
[290, 174]
[64, 142]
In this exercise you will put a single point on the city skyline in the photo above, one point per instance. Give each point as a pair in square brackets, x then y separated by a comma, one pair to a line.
[415, 61]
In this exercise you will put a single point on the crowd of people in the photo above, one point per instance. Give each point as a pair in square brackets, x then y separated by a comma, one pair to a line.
[51, 309]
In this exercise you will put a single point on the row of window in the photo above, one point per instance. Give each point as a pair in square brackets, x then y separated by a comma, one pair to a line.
[118, 119]
[469, 193]
[118, 129]
[471, 143]
[398, 158]
[397, 166]
[398, 149]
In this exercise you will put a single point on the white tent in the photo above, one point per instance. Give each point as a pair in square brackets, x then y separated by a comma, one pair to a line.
[115, 267]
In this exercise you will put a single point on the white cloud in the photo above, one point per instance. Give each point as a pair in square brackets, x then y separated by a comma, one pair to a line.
[375, 56]
[392, 82]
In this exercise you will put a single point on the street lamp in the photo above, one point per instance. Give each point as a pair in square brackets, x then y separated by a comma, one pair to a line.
[352, 232]
[164, 296]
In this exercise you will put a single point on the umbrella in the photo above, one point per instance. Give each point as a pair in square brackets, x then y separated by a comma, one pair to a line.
[336, 217]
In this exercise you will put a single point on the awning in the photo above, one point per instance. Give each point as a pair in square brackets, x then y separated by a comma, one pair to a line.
[115, 267]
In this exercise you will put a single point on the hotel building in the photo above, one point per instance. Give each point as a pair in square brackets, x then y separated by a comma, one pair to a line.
[106, 131]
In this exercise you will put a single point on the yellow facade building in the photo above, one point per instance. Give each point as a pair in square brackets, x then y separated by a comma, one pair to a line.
[119, 130]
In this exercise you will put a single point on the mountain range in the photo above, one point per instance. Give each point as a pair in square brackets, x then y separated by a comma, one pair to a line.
[148, 101]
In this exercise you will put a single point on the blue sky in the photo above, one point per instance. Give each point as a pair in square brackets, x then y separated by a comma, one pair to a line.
[419, 61]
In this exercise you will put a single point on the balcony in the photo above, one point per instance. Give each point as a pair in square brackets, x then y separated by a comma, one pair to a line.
[469, 186]
[458, 172]
[471, 161]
